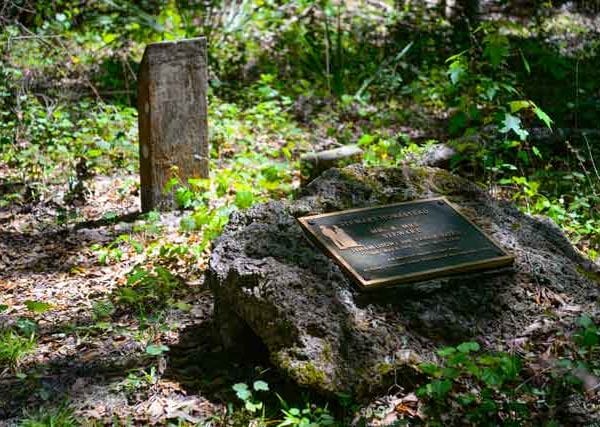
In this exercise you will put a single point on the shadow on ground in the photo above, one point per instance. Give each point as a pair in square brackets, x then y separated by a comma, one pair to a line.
[54, 251]
[202, 366]
[198, 363]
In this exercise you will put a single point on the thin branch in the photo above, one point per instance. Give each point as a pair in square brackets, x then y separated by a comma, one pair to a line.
[587, 143]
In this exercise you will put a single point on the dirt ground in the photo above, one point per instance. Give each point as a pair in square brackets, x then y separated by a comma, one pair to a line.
[100, 367]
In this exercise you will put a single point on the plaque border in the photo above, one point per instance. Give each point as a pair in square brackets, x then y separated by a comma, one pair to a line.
[496, 262]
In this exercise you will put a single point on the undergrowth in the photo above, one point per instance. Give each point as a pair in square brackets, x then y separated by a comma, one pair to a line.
[14, 347]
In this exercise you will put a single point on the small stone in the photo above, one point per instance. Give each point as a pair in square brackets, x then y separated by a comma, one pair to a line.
[313, 164]
[438, 156]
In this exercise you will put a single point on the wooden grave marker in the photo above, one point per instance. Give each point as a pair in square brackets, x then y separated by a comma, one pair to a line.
[172, 118]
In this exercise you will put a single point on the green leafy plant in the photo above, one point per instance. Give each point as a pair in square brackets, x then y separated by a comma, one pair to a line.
[62, 416]
[14, 347]
[496, 376]
[140, 379]
[244, 393]
[147, 290]
[588, 336]
[391, 151]
[102, 309]
[26, 327]
[309, 416]
[486, 387]
[156, 349]
[38, 307]
[114, 251]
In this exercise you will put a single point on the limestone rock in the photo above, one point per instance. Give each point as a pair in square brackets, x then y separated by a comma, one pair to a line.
[313, 164]
[324, 334]
[438, 156]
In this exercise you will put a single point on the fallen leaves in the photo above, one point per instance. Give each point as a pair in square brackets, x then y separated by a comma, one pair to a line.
[50, 281]
[392, 409]
[158, 408]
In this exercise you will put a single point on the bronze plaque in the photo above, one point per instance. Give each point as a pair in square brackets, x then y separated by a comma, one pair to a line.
[404, 242]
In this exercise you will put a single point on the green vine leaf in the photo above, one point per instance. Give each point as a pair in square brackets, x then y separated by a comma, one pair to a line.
[261, 386]
[38, 307]
[513, 123]
[241, 391]
[468, 347]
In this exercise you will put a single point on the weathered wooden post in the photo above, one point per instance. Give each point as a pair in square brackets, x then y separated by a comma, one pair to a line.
[173, 129]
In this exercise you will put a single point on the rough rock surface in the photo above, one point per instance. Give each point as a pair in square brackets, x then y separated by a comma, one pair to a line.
[437, 156]
[323, 333]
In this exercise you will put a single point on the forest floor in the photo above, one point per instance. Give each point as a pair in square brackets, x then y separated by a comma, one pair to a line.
[101, 369]
[97, 357]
